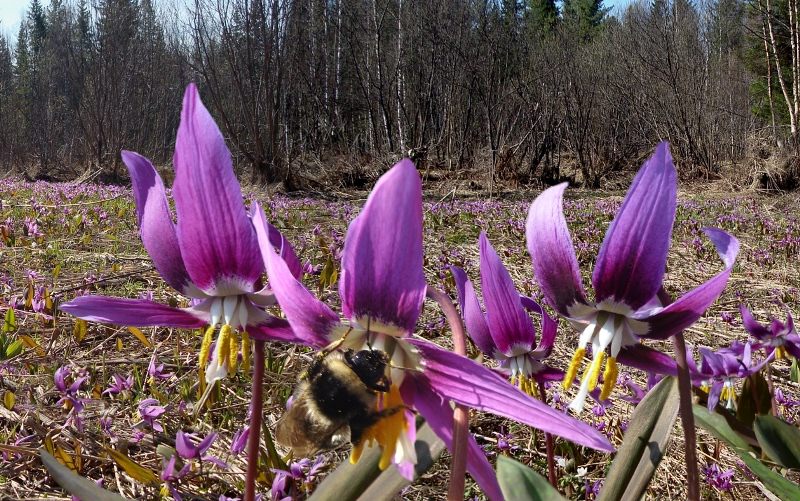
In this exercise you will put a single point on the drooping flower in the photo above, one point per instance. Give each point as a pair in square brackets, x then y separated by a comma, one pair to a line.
[719, 370]
[629, 303]
[780, 338]
[505, 332]
[150, 411]
[382, 287]
[186, 448]
[69, 395]
[156, 371]
[120, 384]
[211, 255]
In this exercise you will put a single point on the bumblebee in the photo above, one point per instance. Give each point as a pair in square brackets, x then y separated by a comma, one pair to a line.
[338, 392]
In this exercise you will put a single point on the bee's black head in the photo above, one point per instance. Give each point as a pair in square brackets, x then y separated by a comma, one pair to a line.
[370, 366]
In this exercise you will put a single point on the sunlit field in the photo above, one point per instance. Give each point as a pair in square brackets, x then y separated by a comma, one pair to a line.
[62, 240]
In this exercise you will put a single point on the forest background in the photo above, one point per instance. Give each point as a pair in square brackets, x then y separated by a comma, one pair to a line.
[312, 90]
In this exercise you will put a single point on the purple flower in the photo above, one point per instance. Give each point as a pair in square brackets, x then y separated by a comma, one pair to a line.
[211, 255]
[780, 338]
[119, 385]
[718, 370]
[382, 287]
[184, 444]
[629, 302]
[149, 410]
[717, 477]
[156, 372]
[240, 440]
[69, 396]
[170, 476]
[506, 333]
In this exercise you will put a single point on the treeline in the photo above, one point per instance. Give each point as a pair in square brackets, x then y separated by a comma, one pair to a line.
[528, 89]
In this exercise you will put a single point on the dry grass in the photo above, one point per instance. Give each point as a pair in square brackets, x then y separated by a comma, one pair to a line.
[93, 246]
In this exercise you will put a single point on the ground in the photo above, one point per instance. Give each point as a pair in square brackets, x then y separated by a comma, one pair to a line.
[61, 240]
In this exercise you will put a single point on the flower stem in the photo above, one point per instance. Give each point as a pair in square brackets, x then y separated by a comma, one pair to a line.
[458, 465]
[687, 417]
[256, 405]
[771, 388]
[548, 440]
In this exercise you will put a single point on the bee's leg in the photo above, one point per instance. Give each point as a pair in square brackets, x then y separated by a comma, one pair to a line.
[335, 344]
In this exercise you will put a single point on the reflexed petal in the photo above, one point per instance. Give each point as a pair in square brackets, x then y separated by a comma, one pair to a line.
[131, 312]
[382, 275]
[474, 319]
[509, 324]
[689, 307]
[279, 329]
[439, 416]
[647, 359]
[183, 444]
[549, 328]
[285, 249]
[216, 237]
[755, 329]
[471, 384]
[311, 319]
[631, 263]
[550, 245]
[155, 222]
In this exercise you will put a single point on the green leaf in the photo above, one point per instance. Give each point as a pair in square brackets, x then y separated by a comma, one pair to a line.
[644, 443]
[779, 440]
[795, 371]
[14, 349]
[364, 480]
[519, 482]
[718, 426]
[74, 483]
[10, 321]
[754, 400]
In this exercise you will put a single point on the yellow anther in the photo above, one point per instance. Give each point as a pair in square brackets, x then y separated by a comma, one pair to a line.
[224, 344]
[205, 346]
[245, 352]
[594, 370]
[609, 378]
[386, 432]
[780, 352]
[572, 371]
[233, 353]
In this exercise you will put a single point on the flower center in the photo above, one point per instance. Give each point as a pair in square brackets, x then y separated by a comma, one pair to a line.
[232, 314]
[608, 328]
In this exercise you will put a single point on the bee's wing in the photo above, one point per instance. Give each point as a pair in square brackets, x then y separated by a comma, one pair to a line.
[304, 429]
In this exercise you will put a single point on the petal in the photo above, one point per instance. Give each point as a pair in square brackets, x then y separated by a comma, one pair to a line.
[755, 329]
[631, 263]
[311, 319]
[279, 329]
[382, 274]
[714, 393]
[131, 312]
[689, 307]
[439, 416]
[183, 444]
[216, 237]
[550, 246]
[474, 319]
[155, 222]
[509, 324]
[285, 249]
[471, 384]
[549, 328]
[647, 359]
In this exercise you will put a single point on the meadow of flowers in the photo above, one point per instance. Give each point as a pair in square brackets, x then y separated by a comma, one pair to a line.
[153, 335]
